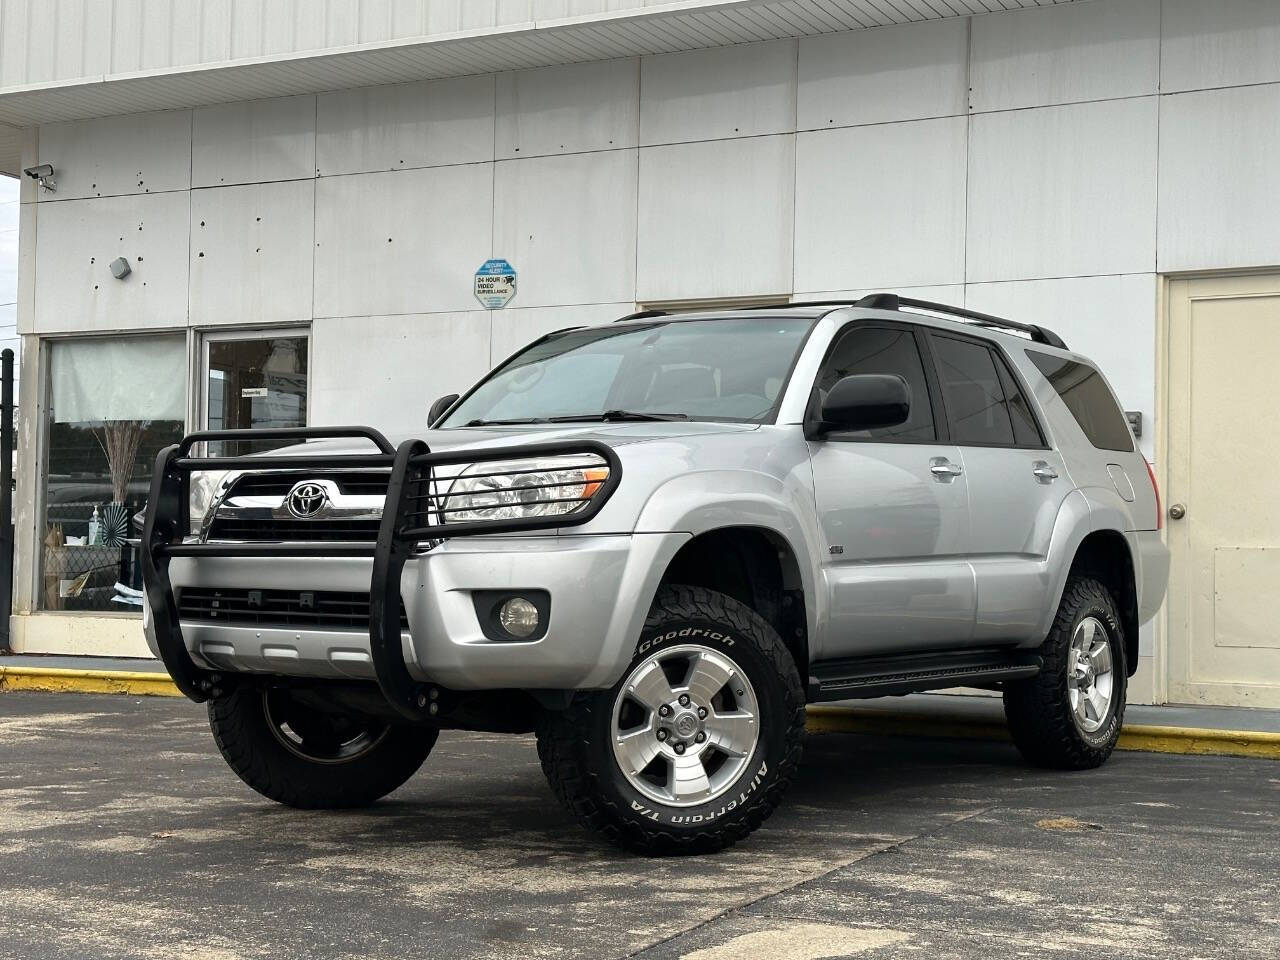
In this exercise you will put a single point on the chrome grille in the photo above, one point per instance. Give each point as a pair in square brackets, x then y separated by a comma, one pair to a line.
[254, 530]
[255, 510]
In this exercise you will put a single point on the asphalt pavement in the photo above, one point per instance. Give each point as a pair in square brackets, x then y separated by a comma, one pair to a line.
[122, 834]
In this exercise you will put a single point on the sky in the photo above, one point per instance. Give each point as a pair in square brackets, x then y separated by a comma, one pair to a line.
[8, 255]
[9, 264]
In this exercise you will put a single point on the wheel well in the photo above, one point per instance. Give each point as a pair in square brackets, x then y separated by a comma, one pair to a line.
[754, 566]
[1104, 556]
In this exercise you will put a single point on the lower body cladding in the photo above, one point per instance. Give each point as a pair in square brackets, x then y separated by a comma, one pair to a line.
[597, 588]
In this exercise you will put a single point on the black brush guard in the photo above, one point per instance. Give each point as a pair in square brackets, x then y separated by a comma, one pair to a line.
[411, 515]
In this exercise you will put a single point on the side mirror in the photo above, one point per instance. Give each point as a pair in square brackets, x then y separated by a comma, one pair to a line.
[865, 401]
[440, 407]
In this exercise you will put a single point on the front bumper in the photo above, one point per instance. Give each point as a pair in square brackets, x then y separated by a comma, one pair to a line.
[600, 589]
[400, 567]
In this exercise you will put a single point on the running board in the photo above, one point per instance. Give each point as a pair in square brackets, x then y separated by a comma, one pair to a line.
[865, 677]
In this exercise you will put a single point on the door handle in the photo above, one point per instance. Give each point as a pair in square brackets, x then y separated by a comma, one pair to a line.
[1043, 472]
[943, 470]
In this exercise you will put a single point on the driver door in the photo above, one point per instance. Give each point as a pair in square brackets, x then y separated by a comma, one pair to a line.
[893, 508]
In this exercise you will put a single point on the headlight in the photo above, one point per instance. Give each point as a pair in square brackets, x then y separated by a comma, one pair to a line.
[203, 491]
[520, 489]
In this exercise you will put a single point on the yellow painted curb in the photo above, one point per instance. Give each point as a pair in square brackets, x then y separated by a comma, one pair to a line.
[56, 680]
[1231, 743]
[1140, 737]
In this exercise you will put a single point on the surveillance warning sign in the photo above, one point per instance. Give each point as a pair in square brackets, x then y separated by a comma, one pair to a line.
[495, 284]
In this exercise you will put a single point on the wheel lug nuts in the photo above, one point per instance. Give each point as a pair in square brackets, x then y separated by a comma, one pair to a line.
[701, 737]
[662, 734]
[684, 699]
[679, 748]
[702, 713]
[664, 711]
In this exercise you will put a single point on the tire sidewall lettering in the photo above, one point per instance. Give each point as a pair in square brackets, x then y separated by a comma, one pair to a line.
[718, 808]
[684, 634]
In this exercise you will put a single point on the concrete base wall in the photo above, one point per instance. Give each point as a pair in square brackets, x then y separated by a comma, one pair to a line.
[79, 634]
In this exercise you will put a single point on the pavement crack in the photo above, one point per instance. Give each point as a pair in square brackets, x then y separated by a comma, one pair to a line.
[876, 851]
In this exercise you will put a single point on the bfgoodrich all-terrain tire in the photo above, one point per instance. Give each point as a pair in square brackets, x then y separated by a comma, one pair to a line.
[307, 758]
[694, 747]
[1069, 715]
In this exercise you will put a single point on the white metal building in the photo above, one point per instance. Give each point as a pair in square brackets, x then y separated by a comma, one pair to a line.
[304, 189]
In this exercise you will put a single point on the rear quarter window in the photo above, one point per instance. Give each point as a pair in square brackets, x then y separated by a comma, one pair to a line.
[1088, 398]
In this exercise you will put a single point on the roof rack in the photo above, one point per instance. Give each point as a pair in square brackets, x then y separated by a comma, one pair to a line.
[642, 315]
[891, 301]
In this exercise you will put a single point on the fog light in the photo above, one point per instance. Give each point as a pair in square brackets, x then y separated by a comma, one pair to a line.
[518, 617]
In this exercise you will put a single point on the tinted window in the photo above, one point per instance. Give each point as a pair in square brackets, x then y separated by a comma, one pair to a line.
[1088, 398]
[1026, 432]
[971, 389]
[882, 350]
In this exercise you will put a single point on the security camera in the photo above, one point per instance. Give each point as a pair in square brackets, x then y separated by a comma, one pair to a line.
[43, 174]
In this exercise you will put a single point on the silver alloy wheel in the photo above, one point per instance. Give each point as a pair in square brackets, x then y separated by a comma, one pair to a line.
[317, 737]
[1090, 674]
[684, 742]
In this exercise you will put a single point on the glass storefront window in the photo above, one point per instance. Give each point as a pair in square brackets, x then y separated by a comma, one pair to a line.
[252, 383]
[114, 403]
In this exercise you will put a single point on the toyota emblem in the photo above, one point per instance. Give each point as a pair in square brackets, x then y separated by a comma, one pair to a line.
[306, 499]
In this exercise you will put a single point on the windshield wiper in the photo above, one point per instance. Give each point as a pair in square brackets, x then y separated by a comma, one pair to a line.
[618, 416]
[505, 423]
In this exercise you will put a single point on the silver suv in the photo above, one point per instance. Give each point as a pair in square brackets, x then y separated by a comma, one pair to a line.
[653, 542]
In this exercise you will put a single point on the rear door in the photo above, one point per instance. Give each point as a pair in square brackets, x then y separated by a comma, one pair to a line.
[893, 510]
[1016, 484]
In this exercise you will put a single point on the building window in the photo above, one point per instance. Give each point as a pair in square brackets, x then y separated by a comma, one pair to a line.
[114, 403]
[254, 381]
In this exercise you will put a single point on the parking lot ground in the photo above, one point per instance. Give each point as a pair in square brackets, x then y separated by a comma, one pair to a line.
[122, 834]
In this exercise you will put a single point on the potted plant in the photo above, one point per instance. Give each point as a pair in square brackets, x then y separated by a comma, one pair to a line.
[119, 440]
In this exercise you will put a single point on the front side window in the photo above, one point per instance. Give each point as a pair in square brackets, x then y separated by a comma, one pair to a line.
[866, 349]
[1088, 398]
[729, 369]
[113, 405]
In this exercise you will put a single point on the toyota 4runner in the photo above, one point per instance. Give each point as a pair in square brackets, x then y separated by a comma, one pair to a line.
[653, 542]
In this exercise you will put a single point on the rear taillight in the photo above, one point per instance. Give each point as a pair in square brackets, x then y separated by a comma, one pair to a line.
[1155, 488]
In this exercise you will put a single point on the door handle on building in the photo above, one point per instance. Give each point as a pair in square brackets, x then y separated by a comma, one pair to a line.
[1043, 472]
[943, 470]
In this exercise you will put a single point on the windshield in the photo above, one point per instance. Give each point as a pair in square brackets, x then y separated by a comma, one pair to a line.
[714, 369]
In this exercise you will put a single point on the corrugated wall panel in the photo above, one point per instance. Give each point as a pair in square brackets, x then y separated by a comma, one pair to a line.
[67, 39]
[326, 44]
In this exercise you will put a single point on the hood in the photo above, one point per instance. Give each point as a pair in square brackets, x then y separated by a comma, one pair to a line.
[483, 438]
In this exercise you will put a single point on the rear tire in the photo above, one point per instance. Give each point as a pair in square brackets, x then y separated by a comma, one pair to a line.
[1068, 716]
[694, 747]
[302, 757]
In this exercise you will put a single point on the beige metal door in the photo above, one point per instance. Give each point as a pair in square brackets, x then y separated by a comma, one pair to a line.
[1223, 452]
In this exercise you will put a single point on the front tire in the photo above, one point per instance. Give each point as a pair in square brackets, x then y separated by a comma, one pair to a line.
[311, 759]
[1069, 715]
[694, 747]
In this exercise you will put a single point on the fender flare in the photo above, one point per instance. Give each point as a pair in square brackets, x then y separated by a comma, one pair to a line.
[699, 503]
[1084, 511]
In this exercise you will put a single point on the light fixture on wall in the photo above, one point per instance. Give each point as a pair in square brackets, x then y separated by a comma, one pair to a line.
[120, 268]
[42, 174]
